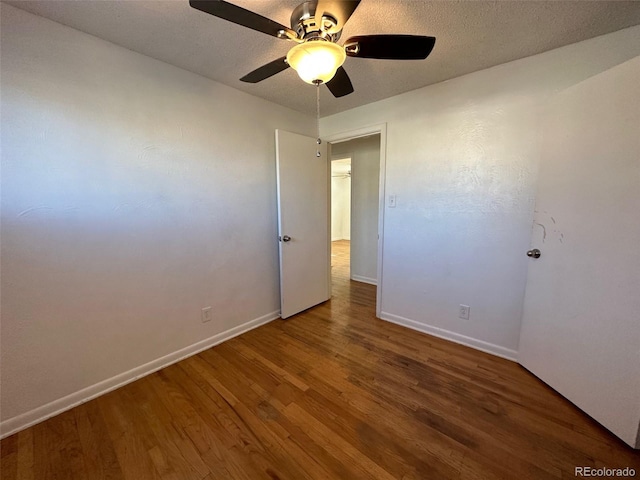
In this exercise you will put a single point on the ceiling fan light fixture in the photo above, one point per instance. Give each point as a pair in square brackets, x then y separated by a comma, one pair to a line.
[316, 61]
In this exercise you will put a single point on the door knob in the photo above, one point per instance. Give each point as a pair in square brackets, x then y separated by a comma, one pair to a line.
[535, 253]
[286, 238]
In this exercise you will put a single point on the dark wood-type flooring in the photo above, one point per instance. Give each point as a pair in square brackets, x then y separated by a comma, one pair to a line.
[332, 393]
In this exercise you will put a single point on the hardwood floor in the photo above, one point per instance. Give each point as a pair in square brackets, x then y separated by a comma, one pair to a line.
[333, 393]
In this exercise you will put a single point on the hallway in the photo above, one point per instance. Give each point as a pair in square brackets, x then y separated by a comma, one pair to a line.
[344, 289]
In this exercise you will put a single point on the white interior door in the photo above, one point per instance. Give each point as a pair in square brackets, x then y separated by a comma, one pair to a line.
[303, 222]
[581, 322]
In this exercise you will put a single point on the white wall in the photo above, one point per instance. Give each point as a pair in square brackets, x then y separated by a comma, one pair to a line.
[365, 184]
[340, 200]
[133, 194]
[462, 158]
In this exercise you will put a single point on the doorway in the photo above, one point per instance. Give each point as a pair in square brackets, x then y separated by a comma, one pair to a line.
[355, 204]
[304, 213]
[341, 219]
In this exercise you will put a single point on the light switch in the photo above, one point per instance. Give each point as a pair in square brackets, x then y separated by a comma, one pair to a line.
[392, 201]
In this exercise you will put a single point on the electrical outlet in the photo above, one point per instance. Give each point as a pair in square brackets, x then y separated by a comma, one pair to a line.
[464, 312]
[205, 315]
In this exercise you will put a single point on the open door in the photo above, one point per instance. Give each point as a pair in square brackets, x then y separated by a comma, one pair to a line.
[581, 323]
[303, 222]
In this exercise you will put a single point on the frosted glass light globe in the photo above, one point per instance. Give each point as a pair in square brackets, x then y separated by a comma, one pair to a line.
[316, 61]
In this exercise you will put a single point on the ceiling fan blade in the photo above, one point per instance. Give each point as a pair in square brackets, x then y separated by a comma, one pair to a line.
[340, 85]
[240, 16]
[266, 71]
[341, 10]
[390, 47]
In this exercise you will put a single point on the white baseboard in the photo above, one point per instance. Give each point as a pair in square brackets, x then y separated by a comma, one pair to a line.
[360, 278]
[37, 415]
[481, 345]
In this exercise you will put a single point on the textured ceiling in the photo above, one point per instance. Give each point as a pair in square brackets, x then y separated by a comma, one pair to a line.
[471, 36]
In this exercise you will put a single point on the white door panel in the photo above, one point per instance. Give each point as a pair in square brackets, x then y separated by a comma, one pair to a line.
[581, 322]
[303, 216]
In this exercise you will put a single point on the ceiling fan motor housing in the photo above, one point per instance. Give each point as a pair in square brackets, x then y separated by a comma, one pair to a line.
[307, 26]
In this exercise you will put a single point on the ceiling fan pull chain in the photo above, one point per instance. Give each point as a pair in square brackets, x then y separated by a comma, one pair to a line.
[318, 117]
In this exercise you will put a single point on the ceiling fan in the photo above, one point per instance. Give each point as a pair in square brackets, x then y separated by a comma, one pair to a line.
[316, 27]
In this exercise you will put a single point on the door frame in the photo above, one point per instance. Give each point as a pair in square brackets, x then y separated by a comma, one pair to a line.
[380, 129]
